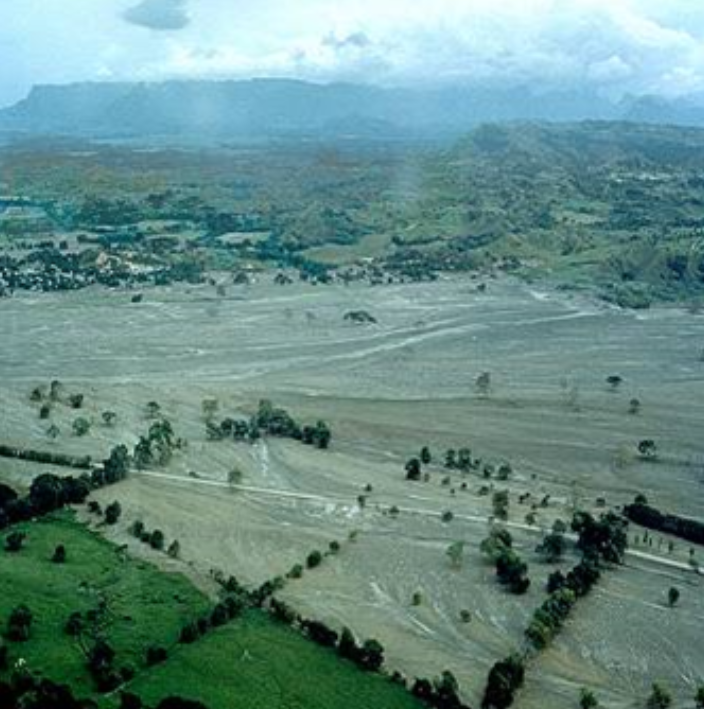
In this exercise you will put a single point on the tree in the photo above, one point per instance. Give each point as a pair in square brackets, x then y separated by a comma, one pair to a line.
[109, 418]
[234, 477]
[113, 512]
[552, 547]
[505, 678]
[451, 458]
[587, 699]
[699, 697]
[371, 655]
[413, 471]
[659, 697]
[673, 595]
[156, 540]
[209, 407]
[496, 543]
[483, 384]
[314, 559]
[59, 556]
[499, 503]
[634, 406]
[14, 541]
[46, 493]
[19, 623]
[174, 549]
[425, 456]
[81, 426]
[614, 381]
[455, 553]
[53, 431]
[647, 449]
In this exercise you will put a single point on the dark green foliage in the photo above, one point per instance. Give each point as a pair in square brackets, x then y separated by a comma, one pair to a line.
[643, 514]
[425, 455]
[413, 470]
[511, 571]
[14, 541]
[604, 538]
[505, 679]
[156, 540]
[19, 623]
[113, 512]
[156, 655]
[314, 559]
[552, 547]
[59, 556]
[319, 633]
[659, 697]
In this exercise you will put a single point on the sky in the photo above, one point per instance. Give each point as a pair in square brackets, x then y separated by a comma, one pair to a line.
[616, 47]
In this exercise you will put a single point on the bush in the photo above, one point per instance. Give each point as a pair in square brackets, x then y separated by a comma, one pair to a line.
[113, 512]
[314, 559]
[19, 623]
[156, 540]
[14, 541]
[156, 655]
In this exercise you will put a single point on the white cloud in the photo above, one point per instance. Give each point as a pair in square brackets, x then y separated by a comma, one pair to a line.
[619, 46]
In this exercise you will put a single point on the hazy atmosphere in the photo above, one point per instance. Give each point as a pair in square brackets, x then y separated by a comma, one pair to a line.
[615, 47]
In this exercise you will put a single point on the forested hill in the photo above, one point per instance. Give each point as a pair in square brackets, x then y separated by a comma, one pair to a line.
[616, 206]
[253, 109]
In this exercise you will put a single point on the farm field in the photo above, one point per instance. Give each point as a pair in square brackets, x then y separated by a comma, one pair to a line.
[386, 390]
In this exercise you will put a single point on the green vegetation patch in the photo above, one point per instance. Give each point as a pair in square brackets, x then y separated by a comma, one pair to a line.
[142, 605]
[255, 662]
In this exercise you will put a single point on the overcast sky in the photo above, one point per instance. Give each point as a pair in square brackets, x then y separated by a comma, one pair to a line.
[617, 46]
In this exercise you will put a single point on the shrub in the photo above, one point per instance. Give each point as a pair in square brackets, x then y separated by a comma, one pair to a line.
[314, 559]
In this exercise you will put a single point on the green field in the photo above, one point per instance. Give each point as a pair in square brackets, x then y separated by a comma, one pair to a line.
[255, 663]
[252, 662]
[145, 606]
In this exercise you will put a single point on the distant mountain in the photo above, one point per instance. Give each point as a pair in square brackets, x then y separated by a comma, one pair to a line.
[280, 107]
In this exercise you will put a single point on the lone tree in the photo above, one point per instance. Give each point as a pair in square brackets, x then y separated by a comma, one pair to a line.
[659, 697]
[587, 699]
[647, 449]
[499, 502]
[673, 595]
[425, 456]
[699, 697]
[19, 623]
[614, 381]
[413, 471]
[483, 384]
[113, 512]
[109, 418]
[552, 547]
[455, 552]
[59, 556]
[81, 426]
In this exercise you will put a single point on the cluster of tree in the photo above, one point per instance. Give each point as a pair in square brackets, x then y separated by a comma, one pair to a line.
[511, 570]
[155, 539]
[47, 493]
[272, 421]
[158, 446]
[505, 678]
[601, 539]
[46, 457]
[553, 545]
[440, 693]
[460, 460]
[368, 655]
[640, 512]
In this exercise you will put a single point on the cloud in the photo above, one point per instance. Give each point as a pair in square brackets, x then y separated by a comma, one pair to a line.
[160, 15]
[357, 40]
